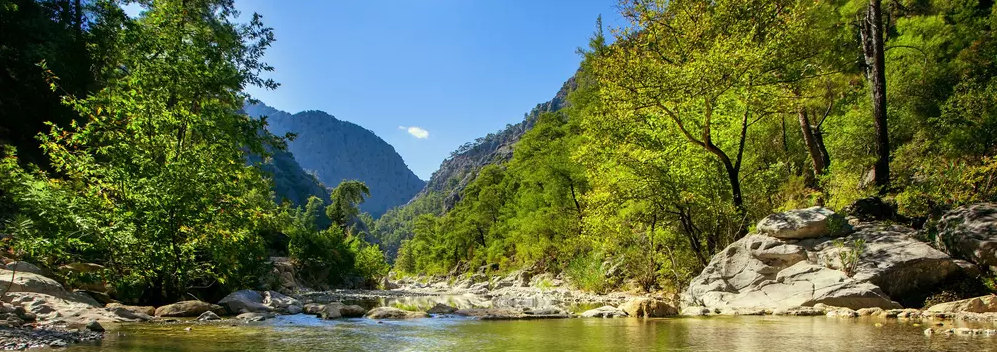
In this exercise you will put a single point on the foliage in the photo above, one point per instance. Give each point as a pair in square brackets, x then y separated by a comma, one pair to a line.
[150, 178]
[333, 255]
[75, 39]
[848, 255]
[702, 117]
[346, 200]
[397, 225]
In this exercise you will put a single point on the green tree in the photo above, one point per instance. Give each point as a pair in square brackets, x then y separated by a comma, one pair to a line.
[160, 163]
[346, 200]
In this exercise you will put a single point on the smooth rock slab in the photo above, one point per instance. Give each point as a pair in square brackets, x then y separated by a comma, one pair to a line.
[23, 281]
[188, 309]
[803, 223]
[984, 304]
[759, 271]
[22, 266]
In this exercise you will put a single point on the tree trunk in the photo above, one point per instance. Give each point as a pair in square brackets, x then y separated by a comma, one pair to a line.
[79, 20]
[875, 60]
[810, 138]
[735, 184]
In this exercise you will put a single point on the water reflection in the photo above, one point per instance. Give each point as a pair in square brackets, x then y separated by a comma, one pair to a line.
[769, 334]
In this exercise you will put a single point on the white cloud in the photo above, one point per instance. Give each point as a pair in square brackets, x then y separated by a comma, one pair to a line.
[415, 131]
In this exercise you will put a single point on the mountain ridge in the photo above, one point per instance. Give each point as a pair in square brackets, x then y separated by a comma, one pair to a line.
[336, 150]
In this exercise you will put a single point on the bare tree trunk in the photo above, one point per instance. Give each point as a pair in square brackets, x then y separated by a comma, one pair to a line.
[79, 20]
[810, 138]
[875, 59]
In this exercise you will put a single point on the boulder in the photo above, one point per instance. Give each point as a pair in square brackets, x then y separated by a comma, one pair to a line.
[331, 311]
[644, 307]
[147, 310]
[313, 308]
[604, 312]
[891, 258]
[208, 316]
[244, 301]
[276, 301]
[26, 267]
[803, 223]
[761, 271]
[95, 326]
[842, 313]
[46, 308]
[188, 309]
[393, 313]
[984, 304]
[867, 312]
[352, 311]
[970, 233]
[34, 283]
[441, 308]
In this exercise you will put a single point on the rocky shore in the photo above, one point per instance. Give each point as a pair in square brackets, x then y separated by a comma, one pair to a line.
[807, 262]
[21, 338]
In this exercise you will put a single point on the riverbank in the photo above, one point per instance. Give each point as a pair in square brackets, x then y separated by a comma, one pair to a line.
[795, 265]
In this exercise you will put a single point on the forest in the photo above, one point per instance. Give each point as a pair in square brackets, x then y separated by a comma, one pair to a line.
[698, 118]
[125, 148]
[124, 145]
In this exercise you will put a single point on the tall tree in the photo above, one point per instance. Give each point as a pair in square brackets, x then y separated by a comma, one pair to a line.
[873, 50]
[346, 200]
[160, 164]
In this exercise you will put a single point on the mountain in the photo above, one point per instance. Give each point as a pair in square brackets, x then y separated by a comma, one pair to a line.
[290, 181]
[457, 171]
[336, 150]
[445, 187]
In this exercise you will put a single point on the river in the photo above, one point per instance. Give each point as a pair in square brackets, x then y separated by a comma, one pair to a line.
[767, 333]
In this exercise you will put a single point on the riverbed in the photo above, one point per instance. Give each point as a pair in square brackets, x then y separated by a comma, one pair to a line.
[764, 333]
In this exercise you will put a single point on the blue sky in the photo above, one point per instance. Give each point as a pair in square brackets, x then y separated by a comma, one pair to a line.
[447, 71]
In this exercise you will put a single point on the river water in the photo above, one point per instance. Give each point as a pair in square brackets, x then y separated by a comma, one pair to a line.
[769, 334]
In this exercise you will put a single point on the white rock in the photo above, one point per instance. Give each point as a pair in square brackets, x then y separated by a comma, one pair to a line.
[803, 223]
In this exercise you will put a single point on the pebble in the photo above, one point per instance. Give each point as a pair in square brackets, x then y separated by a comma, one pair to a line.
[961, 331]
[21, 338]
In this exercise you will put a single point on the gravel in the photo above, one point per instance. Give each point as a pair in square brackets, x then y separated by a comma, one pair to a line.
[27, 337]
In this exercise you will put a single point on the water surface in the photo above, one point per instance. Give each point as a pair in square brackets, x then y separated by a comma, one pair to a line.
[770, 334]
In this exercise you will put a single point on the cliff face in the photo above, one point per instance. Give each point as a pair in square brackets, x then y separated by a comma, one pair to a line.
[335, 150]
[457, 171]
